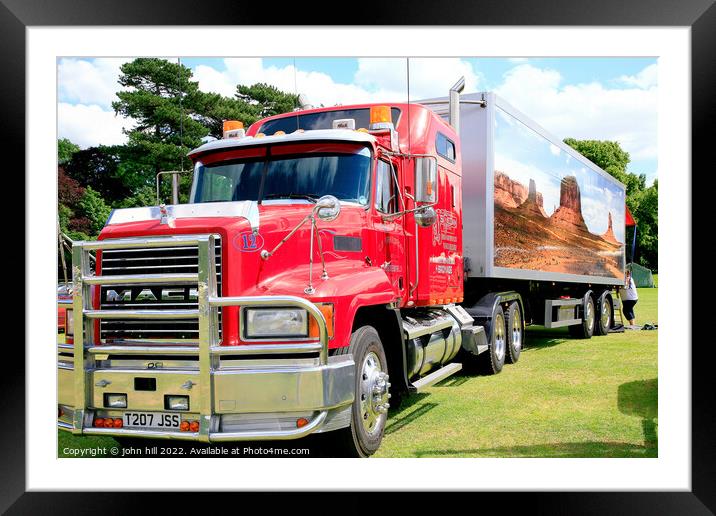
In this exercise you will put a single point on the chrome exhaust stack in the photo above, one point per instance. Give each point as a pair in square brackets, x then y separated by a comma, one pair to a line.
[454, 103]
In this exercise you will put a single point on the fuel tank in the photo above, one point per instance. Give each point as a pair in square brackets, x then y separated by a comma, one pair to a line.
[433, 339]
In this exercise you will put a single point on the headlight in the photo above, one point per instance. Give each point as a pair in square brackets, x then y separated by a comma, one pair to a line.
[176, 402]
[115, 400]
[69, 323]
[275, 322]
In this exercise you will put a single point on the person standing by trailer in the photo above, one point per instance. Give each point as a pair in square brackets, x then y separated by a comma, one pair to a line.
[629, 297]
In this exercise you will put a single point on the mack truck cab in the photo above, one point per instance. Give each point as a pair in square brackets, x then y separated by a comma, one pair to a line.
[313, 279]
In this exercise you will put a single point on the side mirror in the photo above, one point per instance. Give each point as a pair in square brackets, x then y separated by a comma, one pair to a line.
[425, 217]
[426, 180]
[327, 208]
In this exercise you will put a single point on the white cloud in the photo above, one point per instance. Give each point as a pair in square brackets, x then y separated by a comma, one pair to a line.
[88, 126]
[429, 77]
[89, 81]
[376, 80]
[644, 79]
[320, 88]
[586, 111]
[517, 60]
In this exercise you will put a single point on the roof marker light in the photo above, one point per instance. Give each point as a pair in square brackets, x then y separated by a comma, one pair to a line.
[380, 115]
[233, 129]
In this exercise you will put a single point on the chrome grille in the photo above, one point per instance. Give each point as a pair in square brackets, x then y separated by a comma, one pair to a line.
[157, 260]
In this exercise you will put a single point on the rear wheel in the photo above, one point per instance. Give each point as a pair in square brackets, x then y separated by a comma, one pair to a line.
[515, 333]
[585, 330]
[605, 312]
[494, 359]
[370, 406]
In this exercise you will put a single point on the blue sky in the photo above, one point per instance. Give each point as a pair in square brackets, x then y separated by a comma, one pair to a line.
[585, 98]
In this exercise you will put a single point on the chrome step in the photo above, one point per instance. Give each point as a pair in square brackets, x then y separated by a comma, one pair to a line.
[436, 376]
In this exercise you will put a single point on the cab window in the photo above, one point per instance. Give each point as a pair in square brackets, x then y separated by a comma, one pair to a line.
[445, 147]
[386, 191]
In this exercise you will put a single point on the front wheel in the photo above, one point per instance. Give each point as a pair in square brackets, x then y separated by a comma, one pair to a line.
[370, 406]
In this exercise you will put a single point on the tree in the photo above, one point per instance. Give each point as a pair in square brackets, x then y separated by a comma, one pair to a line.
[646, 215]
[267, 100]
[166, 105]
[65, 150]
[641, 200]
[99, 168]
[94, 209]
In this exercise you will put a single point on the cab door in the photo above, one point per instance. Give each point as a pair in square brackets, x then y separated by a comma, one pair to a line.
[390, 231]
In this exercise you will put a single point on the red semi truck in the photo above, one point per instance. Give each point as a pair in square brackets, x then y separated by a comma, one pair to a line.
[331, 261]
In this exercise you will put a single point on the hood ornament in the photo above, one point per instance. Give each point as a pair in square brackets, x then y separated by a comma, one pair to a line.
[327, 208]
[164, 216]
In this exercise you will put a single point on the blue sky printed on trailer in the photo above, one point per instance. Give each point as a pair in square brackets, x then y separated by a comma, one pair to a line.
[583, 98]
[523, 155]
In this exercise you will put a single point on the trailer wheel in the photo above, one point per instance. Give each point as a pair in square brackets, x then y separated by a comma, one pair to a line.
[605, 312]
[494, 359]
[585, 330]
[370, 406]
[515, 333]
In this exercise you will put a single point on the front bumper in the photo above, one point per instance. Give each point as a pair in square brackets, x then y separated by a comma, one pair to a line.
[248, 392]
[249, 403]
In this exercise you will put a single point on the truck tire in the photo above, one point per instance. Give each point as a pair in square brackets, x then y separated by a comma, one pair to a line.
[494, 359]
[515, 333]
[370, 406]
[605, 314]
[585, 330]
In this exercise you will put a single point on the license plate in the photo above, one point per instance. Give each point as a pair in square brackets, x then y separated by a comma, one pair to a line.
[151, 420]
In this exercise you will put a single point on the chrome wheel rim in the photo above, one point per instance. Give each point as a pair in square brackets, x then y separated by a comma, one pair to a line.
[606, 314]
[516, 331]
[374, 394]
[589, 313]
[499, 341]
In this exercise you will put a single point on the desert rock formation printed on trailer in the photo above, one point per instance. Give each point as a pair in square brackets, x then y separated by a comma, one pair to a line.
[552, 213]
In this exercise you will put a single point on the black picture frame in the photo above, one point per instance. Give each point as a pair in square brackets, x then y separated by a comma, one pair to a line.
[700, 16]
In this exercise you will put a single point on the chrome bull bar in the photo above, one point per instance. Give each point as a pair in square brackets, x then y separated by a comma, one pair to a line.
[209, 303]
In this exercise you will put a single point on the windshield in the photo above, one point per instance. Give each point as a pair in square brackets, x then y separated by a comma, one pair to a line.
[305, 176]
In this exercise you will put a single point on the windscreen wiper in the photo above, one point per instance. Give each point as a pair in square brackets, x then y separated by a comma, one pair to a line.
[311, 197]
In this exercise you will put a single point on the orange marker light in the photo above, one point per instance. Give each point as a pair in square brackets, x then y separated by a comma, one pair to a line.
[184, 426]
[301, 422]
[118, 423]
[232, 125]
[194, 426]
[108, 423]
[99, 422]
[380, 115]
[327, 311]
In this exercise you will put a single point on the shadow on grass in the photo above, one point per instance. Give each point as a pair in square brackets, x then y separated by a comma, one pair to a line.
[640, 399]
[552, 450]
[456, 380]
[541, 338]
[405, 417]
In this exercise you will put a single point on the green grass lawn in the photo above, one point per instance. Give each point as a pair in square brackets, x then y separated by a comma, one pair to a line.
[564, 398]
